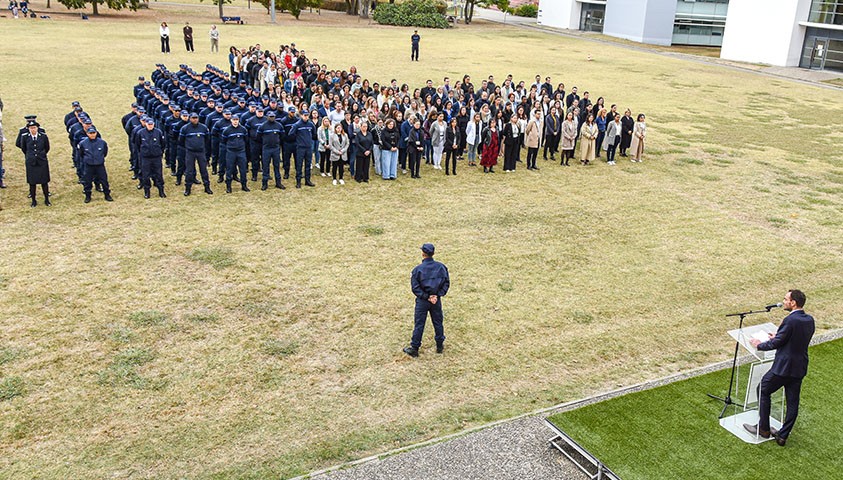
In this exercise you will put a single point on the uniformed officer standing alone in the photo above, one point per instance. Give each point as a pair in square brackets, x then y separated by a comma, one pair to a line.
[92, 153]
[35, 146]
[430, 282]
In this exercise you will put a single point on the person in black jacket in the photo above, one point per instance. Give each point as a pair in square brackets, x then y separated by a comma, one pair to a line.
[552, 131]
[430, 282]
[150, 144]
[389, 150]
[415, 147]
[363, 143]
[92, 153]
[627, 125]
[452, 145]
[195, 138]
[512, 144]
[35, 146]
[789, 367]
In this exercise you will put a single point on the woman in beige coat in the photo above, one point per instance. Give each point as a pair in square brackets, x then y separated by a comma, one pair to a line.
[569, 134]
[532, 138]
[588, 135]
[638, 133]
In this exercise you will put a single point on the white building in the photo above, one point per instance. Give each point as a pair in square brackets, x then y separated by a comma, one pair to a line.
[807, 33]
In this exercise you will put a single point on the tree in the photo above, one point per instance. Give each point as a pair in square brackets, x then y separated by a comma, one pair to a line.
[112, 4]
[468, 9]
[220, 3]
[294, 7]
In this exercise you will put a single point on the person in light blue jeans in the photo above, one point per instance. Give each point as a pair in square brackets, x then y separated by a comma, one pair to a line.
[389, 150]
[376, 149]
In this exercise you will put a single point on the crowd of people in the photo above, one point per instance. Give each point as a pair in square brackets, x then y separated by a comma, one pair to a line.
[270, 109]
[271, 112]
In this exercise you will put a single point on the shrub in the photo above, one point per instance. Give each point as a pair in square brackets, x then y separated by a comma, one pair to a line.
[412, 13]
[526, 10]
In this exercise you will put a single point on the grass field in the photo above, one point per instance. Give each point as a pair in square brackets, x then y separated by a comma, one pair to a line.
[672, 431]
[248, 335]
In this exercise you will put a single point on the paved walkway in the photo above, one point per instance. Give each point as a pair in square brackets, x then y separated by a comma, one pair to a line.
[516, 450]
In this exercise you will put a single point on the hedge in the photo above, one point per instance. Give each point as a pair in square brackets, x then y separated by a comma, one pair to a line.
[412, 13]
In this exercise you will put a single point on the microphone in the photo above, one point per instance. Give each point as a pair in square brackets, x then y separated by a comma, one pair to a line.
[775, 305]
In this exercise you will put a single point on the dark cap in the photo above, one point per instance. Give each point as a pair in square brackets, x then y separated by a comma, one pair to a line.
[141, 78]
[428, 248]
[271, 114]
[194, 115]
[74, 103]
[32, 123]
[91, 129]
[291, 109]
[226, 112]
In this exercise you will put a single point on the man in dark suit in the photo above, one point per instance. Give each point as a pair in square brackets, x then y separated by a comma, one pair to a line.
[789, 368]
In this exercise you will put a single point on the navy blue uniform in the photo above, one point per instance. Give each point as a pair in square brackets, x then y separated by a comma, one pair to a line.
[252, 124]
[196, 141]
[304, 132]
[221, 124]
[92, 155]
[288, 145]
[429, 278]
[151, 145]
[269, 136]
[235, 139]
[170, 126]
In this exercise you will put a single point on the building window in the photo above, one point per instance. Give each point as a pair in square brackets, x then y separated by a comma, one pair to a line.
[826, 11]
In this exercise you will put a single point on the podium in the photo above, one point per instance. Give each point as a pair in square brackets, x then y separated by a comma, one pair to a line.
[761, 363]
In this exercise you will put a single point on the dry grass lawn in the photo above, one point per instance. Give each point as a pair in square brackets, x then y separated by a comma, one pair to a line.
[256, 335]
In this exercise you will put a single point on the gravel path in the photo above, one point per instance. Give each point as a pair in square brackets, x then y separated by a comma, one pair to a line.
[516, 450]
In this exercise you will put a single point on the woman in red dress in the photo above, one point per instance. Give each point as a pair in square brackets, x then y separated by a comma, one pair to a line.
[491, 148]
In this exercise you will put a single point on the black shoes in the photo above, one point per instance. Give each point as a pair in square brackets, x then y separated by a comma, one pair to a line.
[88, 198]
[108, 197]
[781, 441]
[227, 188]
[413, 352]
[264, 185]
[146, 193]
[753, 429]
[254, 177]
[440, 347]
[47, 202]
[34, 203]
[245, 188]
[309, 183]
[178, 180]
[298, 183]
[208, 190]
[161, 192]
[187, 192]
[280, 185]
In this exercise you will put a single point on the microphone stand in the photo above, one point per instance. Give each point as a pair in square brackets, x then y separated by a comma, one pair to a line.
[727, 400]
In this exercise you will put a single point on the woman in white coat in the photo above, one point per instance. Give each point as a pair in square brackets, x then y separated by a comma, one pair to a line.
[639, 132]
[473, 139]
